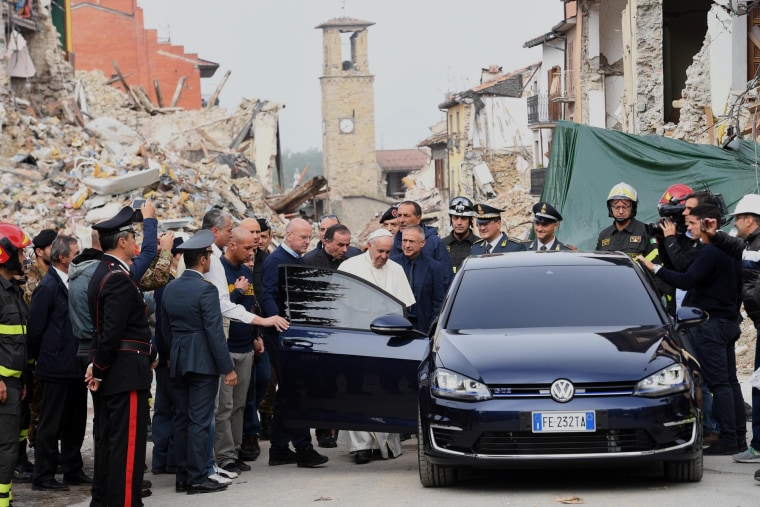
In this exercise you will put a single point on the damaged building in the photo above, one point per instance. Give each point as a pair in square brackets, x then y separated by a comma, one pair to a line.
[76, 148]
[678, 68]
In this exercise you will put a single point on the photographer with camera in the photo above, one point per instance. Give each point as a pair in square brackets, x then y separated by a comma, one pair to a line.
[747, 223]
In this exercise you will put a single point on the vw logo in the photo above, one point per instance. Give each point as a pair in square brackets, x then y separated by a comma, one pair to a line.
[562, 390]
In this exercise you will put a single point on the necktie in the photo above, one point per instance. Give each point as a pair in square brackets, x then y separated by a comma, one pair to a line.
[488, 247]
[543, 247]
[410, 274]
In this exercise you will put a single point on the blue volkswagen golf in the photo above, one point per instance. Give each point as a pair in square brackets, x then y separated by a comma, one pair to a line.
[537, 358]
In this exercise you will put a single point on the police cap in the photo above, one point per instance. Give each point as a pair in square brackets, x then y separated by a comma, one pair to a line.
[545, 212]
[201, 240]
[485, 212]
[390, 214]
[120, 223]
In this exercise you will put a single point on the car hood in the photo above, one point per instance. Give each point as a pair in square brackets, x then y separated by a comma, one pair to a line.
[541, 355]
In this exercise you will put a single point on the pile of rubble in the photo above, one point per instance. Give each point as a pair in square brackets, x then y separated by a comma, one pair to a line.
[84, 161]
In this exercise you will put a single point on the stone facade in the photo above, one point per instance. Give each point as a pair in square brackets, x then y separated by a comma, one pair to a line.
[348, 115]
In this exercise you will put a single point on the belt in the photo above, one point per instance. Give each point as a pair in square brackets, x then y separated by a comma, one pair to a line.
[141, 348]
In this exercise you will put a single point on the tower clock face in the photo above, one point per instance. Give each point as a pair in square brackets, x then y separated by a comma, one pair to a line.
[346, 126]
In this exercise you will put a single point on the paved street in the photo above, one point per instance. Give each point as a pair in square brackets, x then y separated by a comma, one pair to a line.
[395, 482]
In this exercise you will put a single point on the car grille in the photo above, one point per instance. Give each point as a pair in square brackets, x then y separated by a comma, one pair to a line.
[604, 441]
[444, 436]
[543, 390]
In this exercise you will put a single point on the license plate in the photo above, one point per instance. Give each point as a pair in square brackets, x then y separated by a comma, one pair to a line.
[559, 422]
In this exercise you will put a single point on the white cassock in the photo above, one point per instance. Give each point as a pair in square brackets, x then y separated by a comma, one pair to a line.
[390, 278]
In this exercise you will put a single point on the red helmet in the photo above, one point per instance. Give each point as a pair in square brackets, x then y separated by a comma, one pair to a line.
[12, 239]
[675, 193]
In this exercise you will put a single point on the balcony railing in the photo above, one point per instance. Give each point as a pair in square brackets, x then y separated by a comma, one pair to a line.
[538, 109]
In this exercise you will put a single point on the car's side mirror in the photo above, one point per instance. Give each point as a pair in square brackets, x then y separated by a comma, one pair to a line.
[395, 325]
[688, 316]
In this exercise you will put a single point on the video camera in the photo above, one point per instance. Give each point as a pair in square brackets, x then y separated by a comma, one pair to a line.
[673, 211]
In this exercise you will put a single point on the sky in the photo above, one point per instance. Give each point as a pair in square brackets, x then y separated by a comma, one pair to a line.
[419, 50]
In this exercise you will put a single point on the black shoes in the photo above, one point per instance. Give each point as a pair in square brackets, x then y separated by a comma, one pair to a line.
[249, 450]
[49, 485]
[165, 470]
[757, 475]
[327, 442]
[206, 486]
[718, 449]
[180, 487]
[363, 457]
[310, 459]
[282, 457]
[80, 478]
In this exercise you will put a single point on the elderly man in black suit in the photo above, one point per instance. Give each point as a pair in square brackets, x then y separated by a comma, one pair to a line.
[191, 319]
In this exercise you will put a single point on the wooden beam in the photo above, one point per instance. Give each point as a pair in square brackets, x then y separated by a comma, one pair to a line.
[178, 91]
[159, 97]
[754, 36]
[710, 119]
[144, 100]
[218, 90]
[240, 137]
[123, 82]
[115, 79]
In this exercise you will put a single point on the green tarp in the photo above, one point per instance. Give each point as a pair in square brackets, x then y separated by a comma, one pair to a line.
[586, 162]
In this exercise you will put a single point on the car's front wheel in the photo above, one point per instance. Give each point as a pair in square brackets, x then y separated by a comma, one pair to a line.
[684, 471]
[432, 475]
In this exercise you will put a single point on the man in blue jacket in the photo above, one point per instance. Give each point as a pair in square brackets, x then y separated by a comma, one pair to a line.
[192, 320]
[63, 414]
[425, 276]
[410, 213]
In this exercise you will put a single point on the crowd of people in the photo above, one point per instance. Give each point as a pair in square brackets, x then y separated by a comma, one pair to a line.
[213, 348]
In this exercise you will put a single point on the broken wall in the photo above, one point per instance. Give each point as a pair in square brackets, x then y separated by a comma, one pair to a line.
[54, 76]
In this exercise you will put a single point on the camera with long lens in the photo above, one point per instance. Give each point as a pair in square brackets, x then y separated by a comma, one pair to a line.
[672, 212]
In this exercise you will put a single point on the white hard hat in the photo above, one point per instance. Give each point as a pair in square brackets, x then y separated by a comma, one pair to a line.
[750, 203]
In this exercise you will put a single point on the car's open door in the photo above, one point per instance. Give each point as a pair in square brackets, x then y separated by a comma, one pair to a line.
[336, 372]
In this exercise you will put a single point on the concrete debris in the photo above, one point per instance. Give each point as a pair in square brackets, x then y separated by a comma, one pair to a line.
[58, 173]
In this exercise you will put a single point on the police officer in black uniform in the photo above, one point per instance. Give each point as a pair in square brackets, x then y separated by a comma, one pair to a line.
[626, 234]
[459, 242]
[493, 240]
[120, 371]
[546, 221]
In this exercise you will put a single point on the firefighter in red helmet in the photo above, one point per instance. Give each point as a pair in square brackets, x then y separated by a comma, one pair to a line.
[13, 317]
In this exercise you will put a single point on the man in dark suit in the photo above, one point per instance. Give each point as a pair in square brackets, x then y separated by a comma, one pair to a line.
[546, 221]
[425, 276]
[121, 366]
[410, 213]
[191, 318]
[336, 247]
[290, 251]
[63, 415]
[488, 220]
[325, 222]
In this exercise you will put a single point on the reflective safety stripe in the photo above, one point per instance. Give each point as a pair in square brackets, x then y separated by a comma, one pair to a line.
[23, 434]
[7, 372]
[30, 360]
[12, 329]
[652, 255]
[5, 488]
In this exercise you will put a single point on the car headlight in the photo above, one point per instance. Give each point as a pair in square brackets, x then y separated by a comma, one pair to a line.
[670, 380]
[447, 384]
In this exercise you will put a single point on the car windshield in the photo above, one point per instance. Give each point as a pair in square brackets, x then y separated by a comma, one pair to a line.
[551, 296]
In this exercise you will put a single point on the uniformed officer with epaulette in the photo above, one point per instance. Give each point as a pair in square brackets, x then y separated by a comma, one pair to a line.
[546, 221]
[120, 370]
[626, 234]
[459, 242]
[488, 220]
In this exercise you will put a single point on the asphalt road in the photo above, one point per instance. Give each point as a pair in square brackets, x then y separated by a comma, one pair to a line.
[395, 482]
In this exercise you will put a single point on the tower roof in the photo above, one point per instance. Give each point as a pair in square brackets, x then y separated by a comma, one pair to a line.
[344, 22]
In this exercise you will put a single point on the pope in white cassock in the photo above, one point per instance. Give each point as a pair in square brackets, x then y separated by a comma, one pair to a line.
[375, 266]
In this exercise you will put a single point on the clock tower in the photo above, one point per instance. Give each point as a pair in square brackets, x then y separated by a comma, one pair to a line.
[348, 115]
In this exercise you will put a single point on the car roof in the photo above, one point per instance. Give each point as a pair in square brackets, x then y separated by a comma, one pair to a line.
[550, 258]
